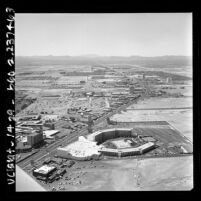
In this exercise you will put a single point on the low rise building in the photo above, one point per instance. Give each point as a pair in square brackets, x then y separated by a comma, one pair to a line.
[50, 133]
[44, 172]
[82, 149]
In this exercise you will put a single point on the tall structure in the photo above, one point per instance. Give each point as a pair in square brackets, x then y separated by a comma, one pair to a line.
[34, 139]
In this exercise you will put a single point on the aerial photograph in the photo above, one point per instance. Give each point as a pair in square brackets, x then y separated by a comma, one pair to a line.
[103, 102]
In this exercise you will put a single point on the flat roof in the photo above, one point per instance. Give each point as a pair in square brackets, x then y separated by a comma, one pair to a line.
[34, 134]
[131, 149]
[82, 148]
[49, 133]
[32, 123]
[91, 136]
[44, 169]
[24, 139]
[109, 150]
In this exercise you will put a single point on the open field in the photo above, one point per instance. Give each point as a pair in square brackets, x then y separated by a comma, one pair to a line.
[170, 113]
[185, 71]
[129, 175]
[163, 103]
[186, 90]
[174, 117]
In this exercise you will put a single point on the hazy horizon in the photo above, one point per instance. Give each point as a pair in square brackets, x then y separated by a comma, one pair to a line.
[139, 34]
[95, 55]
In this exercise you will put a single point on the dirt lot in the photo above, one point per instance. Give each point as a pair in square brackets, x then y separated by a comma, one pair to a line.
[130, 175]
[163, 103]
[179, 118]
[186, 90]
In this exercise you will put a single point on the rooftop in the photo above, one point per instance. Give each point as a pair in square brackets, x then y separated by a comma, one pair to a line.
[131, 149]
[92, 136]
[49, 133]
[82, 148]
[45, 169]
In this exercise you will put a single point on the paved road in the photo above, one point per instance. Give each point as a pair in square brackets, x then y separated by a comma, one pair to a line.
[68, 139]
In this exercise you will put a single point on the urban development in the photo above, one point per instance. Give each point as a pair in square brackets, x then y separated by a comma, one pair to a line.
[85, 123]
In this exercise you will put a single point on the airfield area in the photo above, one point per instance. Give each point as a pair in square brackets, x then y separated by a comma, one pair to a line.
[105, 125]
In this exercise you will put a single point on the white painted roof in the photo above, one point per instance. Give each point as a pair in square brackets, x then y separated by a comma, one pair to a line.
[50, 132]
[82, 148]
[44, 169]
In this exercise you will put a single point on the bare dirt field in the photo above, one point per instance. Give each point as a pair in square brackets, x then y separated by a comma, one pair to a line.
[186, 90]
[181, 119]
[185, 71]
[162, 103]
[174, 117]
[131, 175]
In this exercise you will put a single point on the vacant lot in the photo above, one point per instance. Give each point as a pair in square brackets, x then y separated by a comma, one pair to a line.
[131, 175]
[179, 118]
[163, 103]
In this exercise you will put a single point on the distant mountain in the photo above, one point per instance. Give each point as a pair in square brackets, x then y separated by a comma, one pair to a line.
[133, 57]
[89, 55]
[90, 59]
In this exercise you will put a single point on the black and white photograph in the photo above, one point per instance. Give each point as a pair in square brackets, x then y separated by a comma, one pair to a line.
[103, 102]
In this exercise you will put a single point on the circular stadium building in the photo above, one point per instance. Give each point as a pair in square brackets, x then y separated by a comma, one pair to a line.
[116, 142]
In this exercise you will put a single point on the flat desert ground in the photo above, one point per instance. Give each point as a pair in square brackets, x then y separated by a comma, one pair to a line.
[177, 111]
[152, 174]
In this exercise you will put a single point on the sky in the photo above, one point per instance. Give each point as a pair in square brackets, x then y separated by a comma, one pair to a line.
[142, 34]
